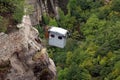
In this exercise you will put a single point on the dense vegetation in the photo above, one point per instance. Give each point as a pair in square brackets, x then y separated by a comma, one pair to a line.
[93, 49]
[11, 12]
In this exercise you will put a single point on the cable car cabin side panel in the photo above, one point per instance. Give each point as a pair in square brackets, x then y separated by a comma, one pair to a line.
[56, 39]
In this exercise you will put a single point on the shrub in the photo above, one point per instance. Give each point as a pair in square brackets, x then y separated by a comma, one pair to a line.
[3, 24]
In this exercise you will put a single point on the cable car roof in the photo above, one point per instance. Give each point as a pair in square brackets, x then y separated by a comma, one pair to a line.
[58, 30]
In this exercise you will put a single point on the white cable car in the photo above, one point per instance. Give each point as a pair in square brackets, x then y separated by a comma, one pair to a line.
[57, 37]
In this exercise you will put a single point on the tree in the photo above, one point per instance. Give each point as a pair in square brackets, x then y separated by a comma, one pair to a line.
[97, 56]
[12, 7]
[115, 5]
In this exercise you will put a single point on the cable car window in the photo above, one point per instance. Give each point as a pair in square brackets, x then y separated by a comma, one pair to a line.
[52, 35]
[59, 37]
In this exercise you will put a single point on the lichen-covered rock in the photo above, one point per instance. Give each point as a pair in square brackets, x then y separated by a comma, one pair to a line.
[22, 57]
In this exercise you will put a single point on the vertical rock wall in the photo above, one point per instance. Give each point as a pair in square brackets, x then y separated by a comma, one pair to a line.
[39, 7]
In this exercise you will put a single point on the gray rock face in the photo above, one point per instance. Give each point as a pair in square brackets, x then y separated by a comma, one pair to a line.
[40, 7]
[22, 57]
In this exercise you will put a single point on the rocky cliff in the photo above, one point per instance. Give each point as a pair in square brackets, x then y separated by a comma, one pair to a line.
[39, 7]
[22, 57]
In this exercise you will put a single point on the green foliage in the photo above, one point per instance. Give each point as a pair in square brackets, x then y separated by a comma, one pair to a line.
[3, 24]
[97, 55]
[104, 12]
[13, 8]
[46, 19]
[115, 5]
[6, 6]
[19, 10]
[29, 9]
[40, 30]
[52, 22]
[118, 78]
